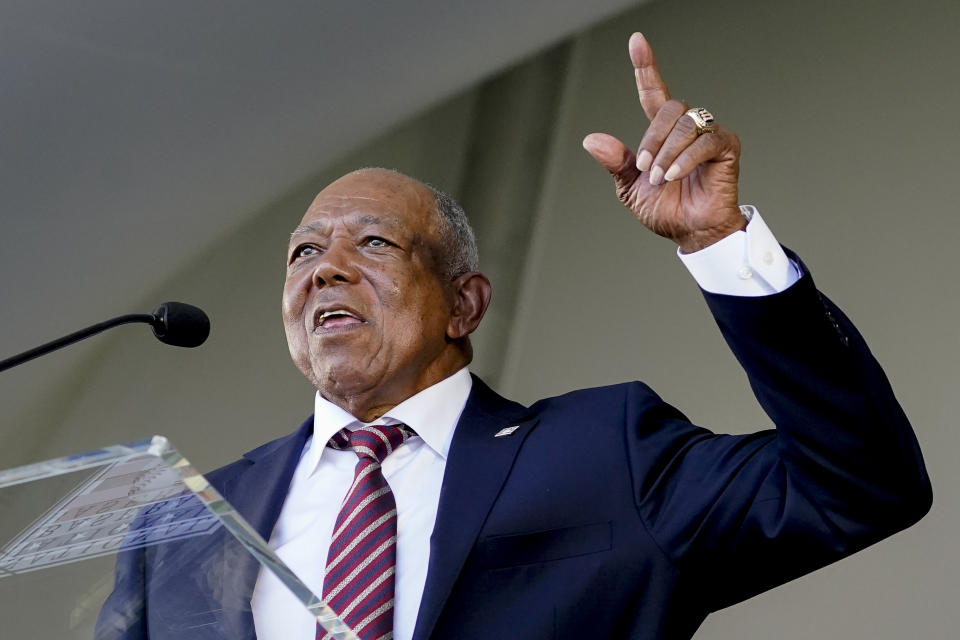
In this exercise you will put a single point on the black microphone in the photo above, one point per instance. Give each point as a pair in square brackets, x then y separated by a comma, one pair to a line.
[180, 324]
[175, 323]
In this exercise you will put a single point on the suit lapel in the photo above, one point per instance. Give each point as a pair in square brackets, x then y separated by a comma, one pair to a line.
[257, 492]
[477, 466]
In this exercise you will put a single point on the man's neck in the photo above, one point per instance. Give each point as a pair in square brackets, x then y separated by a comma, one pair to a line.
[371, 405]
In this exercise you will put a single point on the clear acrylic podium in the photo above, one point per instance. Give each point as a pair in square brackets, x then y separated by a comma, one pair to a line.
[109, 543]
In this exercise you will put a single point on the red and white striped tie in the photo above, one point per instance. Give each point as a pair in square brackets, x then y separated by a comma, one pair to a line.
[363, 552]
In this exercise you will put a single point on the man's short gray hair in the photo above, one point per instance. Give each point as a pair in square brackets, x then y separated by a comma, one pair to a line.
[458, 243]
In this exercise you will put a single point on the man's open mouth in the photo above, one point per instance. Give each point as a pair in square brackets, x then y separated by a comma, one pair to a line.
[337, 319]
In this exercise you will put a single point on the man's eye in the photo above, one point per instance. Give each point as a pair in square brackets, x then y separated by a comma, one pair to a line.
[377, 243]
[304, 250]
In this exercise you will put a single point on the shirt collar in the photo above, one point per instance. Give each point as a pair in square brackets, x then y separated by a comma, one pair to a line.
[433, 414]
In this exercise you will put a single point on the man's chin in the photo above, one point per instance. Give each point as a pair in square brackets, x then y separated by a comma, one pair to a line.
[342, 379]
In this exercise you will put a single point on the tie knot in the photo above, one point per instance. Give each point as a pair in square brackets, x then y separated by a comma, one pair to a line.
[374, 442]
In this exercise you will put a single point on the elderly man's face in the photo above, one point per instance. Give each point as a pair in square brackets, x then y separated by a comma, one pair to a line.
[364, 305]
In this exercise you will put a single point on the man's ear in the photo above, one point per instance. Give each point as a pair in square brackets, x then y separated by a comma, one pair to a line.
[471, 296]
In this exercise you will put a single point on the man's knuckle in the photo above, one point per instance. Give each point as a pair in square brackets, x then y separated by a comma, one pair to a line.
[675, 108]
[653, 138]
[733, 141]
[686, 125]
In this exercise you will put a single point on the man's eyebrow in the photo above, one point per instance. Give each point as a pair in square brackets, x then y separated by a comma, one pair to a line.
[363, 220]
[313, 227]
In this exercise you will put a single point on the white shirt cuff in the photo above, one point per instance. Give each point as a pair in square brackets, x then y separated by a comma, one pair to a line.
[745, 263]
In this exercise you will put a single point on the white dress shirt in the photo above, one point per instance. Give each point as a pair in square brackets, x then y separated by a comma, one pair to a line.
[414, 472]
[745, 263]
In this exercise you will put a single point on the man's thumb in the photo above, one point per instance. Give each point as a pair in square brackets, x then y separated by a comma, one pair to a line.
[612, 155]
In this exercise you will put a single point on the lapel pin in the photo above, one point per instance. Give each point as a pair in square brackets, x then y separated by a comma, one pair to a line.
[506, 432]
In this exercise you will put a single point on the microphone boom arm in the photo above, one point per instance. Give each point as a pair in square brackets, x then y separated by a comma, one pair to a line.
[76, 336]
[174, 323]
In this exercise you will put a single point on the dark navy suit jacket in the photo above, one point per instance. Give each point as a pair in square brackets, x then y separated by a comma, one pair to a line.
[607, 514]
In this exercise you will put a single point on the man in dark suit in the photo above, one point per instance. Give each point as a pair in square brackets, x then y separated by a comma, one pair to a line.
[601, 513]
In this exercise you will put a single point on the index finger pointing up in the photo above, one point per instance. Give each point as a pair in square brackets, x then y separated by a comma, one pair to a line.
[653, 92]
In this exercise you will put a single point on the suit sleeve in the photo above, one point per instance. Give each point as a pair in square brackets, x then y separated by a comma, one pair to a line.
[740, 514]
[122, 616]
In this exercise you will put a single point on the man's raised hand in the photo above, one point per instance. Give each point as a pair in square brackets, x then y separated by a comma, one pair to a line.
[680, 184]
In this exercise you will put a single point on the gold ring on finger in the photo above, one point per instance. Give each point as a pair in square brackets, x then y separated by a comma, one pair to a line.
[703, 119]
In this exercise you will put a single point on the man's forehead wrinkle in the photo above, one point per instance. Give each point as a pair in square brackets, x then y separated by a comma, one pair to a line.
[347, 196]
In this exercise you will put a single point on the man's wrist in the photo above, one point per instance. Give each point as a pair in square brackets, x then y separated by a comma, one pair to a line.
[700, 240]
[748, 262]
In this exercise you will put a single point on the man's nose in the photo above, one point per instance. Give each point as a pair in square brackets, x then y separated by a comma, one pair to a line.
[336, 266]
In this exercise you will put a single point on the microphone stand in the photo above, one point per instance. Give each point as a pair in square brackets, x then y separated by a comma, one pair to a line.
[76, 336]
